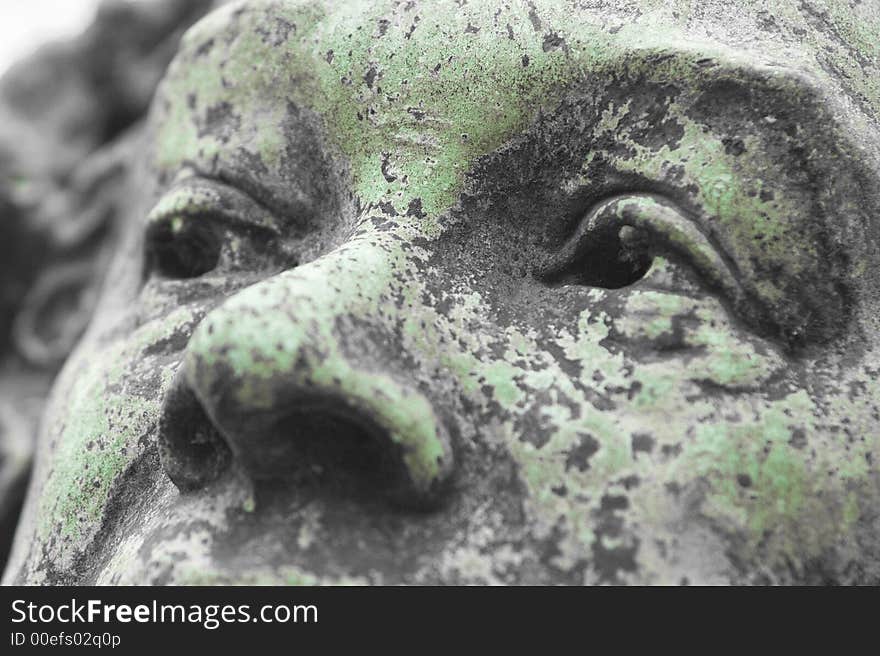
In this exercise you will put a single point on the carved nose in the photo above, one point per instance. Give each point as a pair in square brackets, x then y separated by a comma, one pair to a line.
[286, 378]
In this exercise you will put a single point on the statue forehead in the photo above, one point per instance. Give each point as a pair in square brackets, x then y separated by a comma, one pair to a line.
[439, 84]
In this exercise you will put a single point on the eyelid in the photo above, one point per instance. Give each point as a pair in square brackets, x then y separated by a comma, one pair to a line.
[673, 230]
[204, 198]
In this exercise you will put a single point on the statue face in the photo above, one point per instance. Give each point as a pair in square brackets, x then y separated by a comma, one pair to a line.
[500, 292]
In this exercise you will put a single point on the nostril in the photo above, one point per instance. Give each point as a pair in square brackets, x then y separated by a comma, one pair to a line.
[315, 446]
[342, 455]
[316, 442]
[191, 450]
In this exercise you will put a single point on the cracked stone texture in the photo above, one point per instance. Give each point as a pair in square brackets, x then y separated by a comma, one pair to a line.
[450, 292]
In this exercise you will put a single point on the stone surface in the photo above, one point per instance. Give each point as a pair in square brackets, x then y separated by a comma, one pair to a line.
[449, 292]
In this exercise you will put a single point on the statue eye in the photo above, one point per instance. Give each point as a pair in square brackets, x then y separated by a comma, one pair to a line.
[203, 226]
[616, 242]
[616, 258]
[180, 248]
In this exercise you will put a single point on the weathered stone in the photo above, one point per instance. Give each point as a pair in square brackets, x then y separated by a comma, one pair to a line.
[544, 292]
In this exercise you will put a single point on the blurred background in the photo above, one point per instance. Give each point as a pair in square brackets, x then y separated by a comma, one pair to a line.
[76, 81]
[26, 24]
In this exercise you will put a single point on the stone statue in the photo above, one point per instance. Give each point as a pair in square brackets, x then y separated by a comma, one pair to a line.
[484, 292]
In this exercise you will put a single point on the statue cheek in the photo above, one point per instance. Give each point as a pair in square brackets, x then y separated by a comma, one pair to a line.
[665, 327]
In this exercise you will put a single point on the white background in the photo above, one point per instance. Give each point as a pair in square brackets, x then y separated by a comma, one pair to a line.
[26, 24]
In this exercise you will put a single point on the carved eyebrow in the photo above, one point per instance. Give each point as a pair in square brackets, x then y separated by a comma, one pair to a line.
[199, 197]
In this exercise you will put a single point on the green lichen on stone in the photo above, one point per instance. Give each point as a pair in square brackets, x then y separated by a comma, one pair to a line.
[669, 429]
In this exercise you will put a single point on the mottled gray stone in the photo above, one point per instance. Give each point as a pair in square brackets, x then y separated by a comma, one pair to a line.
[446, 292]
